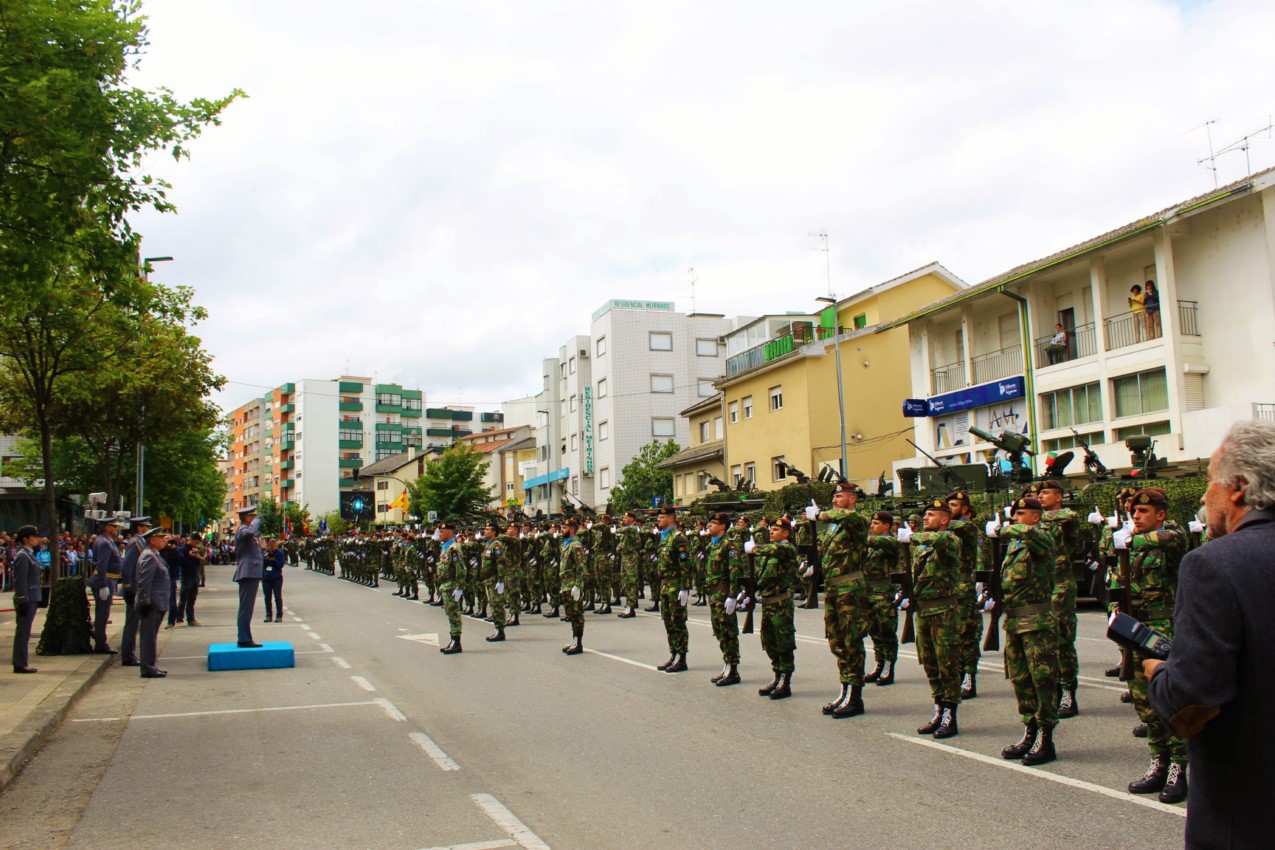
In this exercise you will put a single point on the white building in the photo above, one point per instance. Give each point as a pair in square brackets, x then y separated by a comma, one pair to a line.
[987, 356]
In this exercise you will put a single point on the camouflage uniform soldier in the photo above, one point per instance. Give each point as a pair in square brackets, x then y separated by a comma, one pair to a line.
[1065, 526]
[629, 548]
[550, 553]
[845, 600]
[936, 571]
[1107, 554]
[964, 527]
[533, 566]
[777, 580]
[808, 549]
[514, 577]
[883, 617]
[475, 597]
[674, 567]
[496, 574]
[721, 581]
[1031, 640]
[1154, 556]
[451, 578]
[651, 550]
[603, 541]
[572, 569]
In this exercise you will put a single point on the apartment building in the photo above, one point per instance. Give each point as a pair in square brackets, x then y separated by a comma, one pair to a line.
[1057, 344]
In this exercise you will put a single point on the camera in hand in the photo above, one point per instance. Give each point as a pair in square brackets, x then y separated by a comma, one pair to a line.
[1138, 636]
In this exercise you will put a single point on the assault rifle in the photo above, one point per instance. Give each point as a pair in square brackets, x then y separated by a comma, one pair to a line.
[1125, 605]
[903, 578]
[1094, 466]
[750, 589]
[991, 580]
[950, 478]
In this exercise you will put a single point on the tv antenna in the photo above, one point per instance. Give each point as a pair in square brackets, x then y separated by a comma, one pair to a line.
[1244, 143]
[1211, 159]
[690, 274]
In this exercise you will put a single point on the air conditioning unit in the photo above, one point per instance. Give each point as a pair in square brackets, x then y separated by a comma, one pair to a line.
[584, 354]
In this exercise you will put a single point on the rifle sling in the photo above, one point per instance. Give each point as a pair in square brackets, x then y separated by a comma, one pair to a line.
[844, 578]
[1029, 610]
[777, 598]
[923, 605]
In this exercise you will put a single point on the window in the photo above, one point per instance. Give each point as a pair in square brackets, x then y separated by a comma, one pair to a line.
[1145, 392]
[661, 341]
[573, 404]
[748, 406]
[382, 485]
[662, 426]
[1074, 406]
[701, 482]
[661, 383]
[393, 399]
[717, 428]
[860, 321]
[572, 364]
[1151, 429]
[750, 472]
[575, 485]
[604, 477]
[1068, 442]
[413, 404]
[778, 471]
[705, 428]
[733, 409]
[777, 398]
[602, 345]
[705, 388]
[563, 367]
[602, 388]
[353, 434]
[706, 347]
[574, 442]
[736, 475]
[604, 430]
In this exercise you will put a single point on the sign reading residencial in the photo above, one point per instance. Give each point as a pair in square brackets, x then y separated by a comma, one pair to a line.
[588, 430]
[619, 304]
[980, 396]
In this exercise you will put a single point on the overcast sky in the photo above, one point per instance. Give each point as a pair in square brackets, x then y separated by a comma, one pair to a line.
[439, 194]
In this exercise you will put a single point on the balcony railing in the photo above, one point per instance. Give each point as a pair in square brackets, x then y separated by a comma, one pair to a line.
[1264, 411]
[773, 349]
[998, 364]
[947, 378]
[1187, 314]
[1131, 329]
[1081, 342]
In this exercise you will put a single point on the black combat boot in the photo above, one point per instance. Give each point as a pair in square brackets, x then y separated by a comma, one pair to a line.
[1044, 751]
[605, 609]
[875, 674]
[784, 690]
[678, 666]
[769, 689]
[1174, 784]
[553, 613]
[498, 636]
[947, 725]
[453, 647]
[577, 646]
[515, 620]
[887, 675]
[1067, 706]
[1023, 747]
[1112, 672]
[655, 607]
[1155, 777]
[1140, 731]
[535, 608]
[399, 592]
[589, 607]
[928, 729]
[731, 677]
[437, 603]
[840, 698]
[1126, 697]
[628, 613]
[416, 597]
[721, 675]
[969, 686]
[853, 706]
[672, 658]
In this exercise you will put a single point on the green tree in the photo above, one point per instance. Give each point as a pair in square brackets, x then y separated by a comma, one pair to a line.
[452, 485]
[640, 481]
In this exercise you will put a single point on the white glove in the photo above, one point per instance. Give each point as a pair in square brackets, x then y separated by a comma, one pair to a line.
[1009, 512]
[749, 546]
[436, 536]
[989, 605]
[991, 527]
[903, 606]
[729, 605]
[978, 590]
[1195, 526]
[500, 588]
[704, 533]
[812, 512]
[1121, 539]
[1113, 521]
[575, 593]
[905, 534]
[458, 594]
[808, 572]
[1093, 566]
[104, 593]
[1095, 518]
[683, 596]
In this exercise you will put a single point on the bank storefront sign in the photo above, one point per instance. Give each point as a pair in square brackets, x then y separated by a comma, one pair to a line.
[980, 396]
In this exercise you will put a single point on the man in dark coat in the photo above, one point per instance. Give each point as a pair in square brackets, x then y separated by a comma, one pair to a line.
[1218, 687]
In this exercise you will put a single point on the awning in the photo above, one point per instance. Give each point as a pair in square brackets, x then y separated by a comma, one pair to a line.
[541, 480]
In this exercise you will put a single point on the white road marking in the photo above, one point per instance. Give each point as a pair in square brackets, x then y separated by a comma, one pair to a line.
[434, 751]
[390, 711]
[303, 625]
[313, 635]
[505, 819]
[1018, 767]
[223, 711]
[340, 662]
[430, 638]
[298, 619]
[479, 845]
[326, 647]
[623, 660]
[363, 683]
[401, 629]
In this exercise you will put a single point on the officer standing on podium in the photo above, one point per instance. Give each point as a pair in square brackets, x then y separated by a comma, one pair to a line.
[248, 569]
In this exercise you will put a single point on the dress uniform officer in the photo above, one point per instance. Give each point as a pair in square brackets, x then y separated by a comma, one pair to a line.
[154, 595]
[107, 567]
[128, 583]
[26, 594]
[248, 569]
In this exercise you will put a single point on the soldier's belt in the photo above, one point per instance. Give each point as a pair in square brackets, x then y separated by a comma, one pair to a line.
[778, 597]
[114, 576]
[941, 602]
[1029, 610]
[881, 584]
[1157, 613]
[844, 578]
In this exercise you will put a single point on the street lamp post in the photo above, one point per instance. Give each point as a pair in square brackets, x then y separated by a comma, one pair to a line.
[141, 449]
[836, 341]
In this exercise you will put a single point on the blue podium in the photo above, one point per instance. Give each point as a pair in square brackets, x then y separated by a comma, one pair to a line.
[272, 653]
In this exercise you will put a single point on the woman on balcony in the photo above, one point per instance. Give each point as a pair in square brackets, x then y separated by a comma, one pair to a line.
[1057, 348]
[1152, 303]
[1138, 307]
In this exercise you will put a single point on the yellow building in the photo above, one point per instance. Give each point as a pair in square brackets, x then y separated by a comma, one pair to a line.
[779, 395]
[703, 460]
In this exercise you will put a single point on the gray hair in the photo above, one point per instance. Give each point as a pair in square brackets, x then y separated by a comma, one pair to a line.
[1248, 453]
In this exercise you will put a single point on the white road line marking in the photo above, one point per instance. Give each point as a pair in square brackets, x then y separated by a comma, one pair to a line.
[298, 619]
[340, 662]
[479, 845]
[434, 751]
[431, 638]
[623, 660]
[223, 711]
[1123, 796]
[505, 819]
[401, 629]
[313, 635]
[326, 647]
[390, 711]
[363, 683]
[303, 625]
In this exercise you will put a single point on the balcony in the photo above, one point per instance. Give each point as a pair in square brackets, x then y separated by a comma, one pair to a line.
[349, 444]
[998, 364]
[944, 379]
[382, 407]
[350, 462]
[351, 424]
[287, 440]
[351, 405]
[411, 412]
[287, 464]
[350, 387]
[287, 408]
[1130, 329]
[805, 333]
[1081, 342]
[347, 483]
[285, 483]
[288, 389]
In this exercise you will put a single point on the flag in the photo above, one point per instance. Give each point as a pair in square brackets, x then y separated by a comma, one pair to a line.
[287, 526]
[402, 502]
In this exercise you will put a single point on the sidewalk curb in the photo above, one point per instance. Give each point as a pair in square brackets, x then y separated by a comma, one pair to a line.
[47, 716]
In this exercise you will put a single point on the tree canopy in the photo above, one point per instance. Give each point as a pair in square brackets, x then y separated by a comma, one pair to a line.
[640, 482]
[452, 485]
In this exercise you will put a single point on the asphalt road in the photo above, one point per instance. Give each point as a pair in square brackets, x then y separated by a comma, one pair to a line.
[376, 740]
